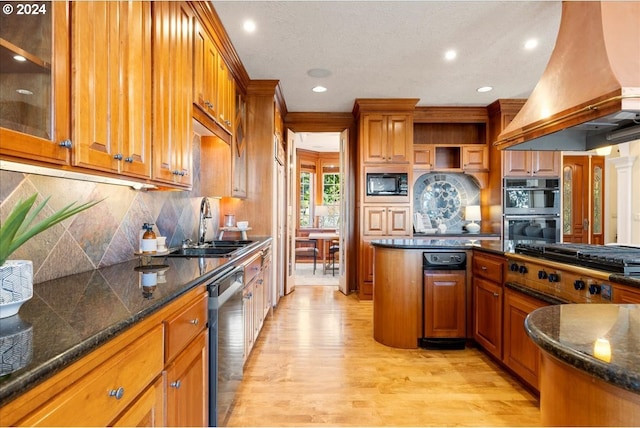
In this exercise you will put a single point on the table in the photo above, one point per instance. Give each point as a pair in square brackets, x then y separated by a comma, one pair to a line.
[323, 237]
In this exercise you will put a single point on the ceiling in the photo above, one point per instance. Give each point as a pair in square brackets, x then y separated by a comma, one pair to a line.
[393, 49]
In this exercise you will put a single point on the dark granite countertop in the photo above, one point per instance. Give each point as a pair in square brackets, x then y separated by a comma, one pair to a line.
[569, 333]
[492, 246]
[69, 317]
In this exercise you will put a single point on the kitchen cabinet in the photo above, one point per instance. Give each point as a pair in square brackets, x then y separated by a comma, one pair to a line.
[172, 94]
[521, 163]
[127, 380]
[387, 138]
[487, 271]
[392, 220]
[520, 354]
[35, 126]
[102, 394]
[205, 71]
[186, 379]
[247, 310]
[444, 303]
[365, 270]
[226, 94]
[256, 296]
[147, 410]
[111, 44]
[423, 155]
[475, 158]
[239, 159]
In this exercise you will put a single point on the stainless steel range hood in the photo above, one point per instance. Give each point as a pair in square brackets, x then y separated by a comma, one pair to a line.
[589, 94]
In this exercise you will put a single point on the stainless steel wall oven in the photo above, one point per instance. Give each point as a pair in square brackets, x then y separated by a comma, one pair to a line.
[523, 196]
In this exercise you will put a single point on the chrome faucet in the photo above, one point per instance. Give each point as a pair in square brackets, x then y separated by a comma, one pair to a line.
[205, 213]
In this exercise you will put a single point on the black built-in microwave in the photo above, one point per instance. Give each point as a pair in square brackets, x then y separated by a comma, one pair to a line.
[387, 184]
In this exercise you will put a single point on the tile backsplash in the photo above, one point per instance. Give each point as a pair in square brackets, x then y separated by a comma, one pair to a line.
[107, 233]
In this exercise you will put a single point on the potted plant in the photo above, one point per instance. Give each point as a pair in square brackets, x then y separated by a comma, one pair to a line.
[16, 276]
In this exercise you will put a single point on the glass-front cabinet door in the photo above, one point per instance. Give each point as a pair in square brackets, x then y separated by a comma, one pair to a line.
[34, 81]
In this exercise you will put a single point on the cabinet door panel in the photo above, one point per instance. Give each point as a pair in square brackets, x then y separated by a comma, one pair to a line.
[520, 353]
[375, 220]
[516, 163]
[187, 386]
[374, 138]
[444, 304]
[399, 221]
[545, 163]
[487, 301]
[399, 139]
[475, 158]
[147, 410]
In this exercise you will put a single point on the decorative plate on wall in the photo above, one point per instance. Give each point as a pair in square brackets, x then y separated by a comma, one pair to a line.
[441, 199]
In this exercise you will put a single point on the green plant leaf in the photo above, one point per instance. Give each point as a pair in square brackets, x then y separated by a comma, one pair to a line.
[17, 229]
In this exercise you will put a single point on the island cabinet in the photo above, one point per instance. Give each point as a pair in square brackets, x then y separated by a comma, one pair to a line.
[38, 130]
[444, 304]
[488, 276]
[625, 294]
[520, 163]
[520, 353]
[111, 86]
[159, 363]
[172, 93]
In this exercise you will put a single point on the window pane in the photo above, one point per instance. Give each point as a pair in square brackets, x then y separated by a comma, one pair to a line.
[331, 198]
[305, 199]
[567, 196]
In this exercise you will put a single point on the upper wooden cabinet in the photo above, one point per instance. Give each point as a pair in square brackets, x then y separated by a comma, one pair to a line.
[111, 86]
[521, 163]
[387, 220]
[172, 111]
[205, 71]
[387, 138]
[34, 101]
[239, 150]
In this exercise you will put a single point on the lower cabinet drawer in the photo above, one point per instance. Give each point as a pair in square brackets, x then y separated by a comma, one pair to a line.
[100, 396]
[182, 327]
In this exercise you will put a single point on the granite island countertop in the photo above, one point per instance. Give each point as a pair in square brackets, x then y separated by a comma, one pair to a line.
[602, 340]
[71, 316]
[457, 243]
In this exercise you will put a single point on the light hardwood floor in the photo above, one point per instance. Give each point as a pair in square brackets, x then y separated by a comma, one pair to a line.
[316, 363]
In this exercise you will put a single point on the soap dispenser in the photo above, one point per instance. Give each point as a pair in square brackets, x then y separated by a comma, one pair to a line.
[149, 242]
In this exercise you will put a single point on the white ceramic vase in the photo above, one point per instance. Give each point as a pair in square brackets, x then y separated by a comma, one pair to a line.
[16, 286]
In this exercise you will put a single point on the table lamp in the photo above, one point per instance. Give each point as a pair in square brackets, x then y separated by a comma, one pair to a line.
[321, 212]
[472, 214]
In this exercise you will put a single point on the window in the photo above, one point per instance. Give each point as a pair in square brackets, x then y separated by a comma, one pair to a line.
[331, 198]
[305, 199]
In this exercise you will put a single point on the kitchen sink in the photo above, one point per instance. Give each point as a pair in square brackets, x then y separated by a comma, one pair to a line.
[203, 252]
[236, 244]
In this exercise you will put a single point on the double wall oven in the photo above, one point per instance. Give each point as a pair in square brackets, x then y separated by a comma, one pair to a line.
[531, 208]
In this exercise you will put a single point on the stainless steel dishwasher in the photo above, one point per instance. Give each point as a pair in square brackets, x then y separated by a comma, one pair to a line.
[226, 342]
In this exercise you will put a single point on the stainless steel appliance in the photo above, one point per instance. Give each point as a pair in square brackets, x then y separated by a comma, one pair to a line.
[524, 196]
[444, 299]
[226, 342]
[621, 259]
[531, 209]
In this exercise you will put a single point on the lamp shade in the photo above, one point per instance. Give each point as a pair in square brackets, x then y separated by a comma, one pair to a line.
[472, 213]
[322, 210]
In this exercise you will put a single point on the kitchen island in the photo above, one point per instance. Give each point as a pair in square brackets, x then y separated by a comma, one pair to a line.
[398, 287]
[590, 366]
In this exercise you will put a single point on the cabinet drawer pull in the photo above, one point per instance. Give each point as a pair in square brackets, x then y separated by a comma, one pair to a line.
[128, 159]
[194, 321]
[175, 384]
[483, 267]
[65, 143]
[117, 393]
[496, 294]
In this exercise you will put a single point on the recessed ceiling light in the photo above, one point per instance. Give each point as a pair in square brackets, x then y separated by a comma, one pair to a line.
[484, 88]
[531, 44]
[450, 54]
[319, 89]
[319, 72]
[249, 26]
[19, 58]
[24, 92]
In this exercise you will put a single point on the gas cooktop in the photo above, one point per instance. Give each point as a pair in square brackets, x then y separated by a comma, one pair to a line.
[610, 258]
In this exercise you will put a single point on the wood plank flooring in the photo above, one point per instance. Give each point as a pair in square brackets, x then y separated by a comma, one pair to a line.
[316, 364]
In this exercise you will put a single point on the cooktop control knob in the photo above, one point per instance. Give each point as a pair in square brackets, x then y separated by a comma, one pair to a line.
[594, 289]
[523, 269]
[554, 277]
[514, 267]
[542, 274]
[578, 284]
